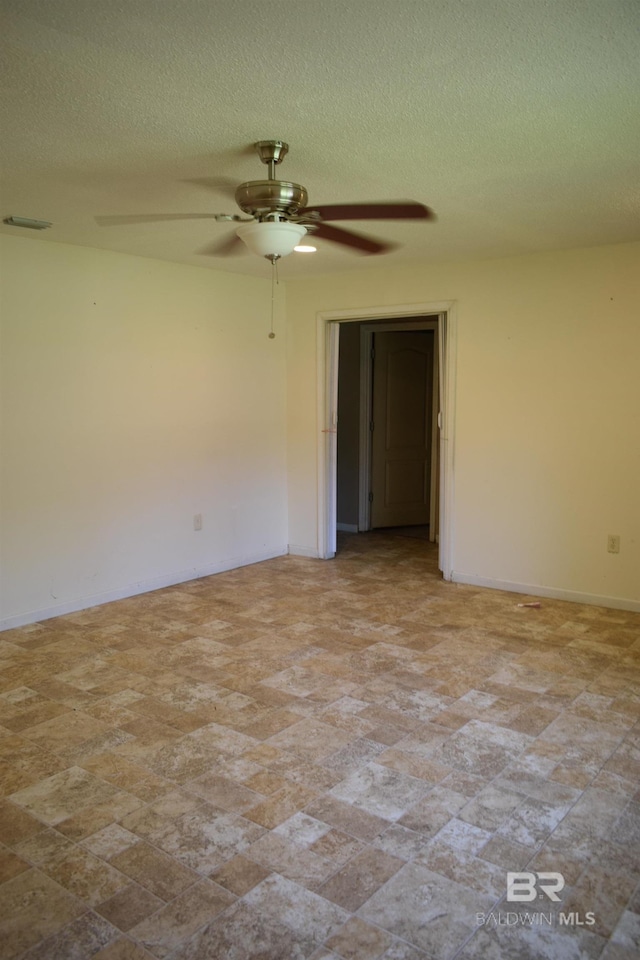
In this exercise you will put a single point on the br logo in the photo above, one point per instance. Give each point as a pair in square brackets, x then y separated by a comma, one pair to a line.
[524, 887]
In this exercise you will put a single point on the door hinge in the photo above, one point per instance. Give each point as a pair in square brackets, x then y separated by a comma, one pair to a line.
[371, 496]
[373, 353]
[371, 426]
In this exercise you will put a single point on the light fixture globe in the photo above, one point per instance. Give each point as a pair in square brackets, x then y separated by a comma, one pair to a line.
[271, 238]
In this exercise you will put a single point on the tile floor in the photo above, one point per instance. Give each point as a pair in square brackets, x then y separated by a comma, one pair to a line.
[302, 760]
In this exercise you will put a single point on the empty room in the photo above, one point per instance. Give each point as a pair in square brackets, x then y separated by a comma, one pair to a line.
[319, 466]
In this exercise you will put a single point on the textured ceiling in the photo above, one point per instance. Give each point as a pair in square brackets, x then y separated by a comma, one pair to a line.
[517, 121]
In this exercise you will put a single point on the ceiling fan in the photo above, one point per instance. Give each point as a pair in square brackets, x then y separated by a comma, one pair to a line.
[279, 217]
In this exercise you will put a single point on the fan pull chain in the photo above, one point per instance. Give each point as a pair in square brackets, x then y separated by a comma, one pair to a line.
[274, 281]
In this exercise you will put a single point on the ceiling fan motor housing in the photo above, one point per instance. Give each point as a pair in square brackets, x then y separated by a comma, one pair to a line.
[262, 197]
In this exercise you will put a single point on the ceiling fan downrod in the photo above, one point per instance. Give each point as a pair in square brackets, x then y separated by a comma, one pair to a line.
[272, 152]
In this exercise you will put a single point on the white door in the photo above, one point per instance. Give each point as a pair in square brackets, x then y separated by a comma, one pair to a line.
[401, 428]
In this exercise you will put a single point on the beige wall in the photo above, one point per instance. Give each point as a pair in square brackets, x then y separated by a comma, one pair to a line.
[135, 394]
[547, 435]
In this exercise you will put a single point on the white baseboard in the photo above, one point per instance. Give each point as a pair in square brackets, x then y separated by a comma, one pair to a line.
[534, 590]
[132, 590]
[157, 583]
[297, 551]
[347, 527]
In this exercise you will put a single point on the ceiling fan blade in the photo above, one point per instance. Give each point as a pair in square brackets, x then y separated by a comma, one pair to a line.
[228, 246]
[401, 210]
[350, 239]
[151, 218]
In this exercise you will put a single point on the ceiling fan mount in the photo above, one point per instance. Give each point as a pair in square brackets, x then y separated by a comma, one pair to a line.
[278, 215]
[272, 152]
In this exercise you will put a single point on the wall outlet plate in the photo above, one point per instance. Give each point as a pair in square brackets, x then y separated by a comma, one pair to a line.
[613, 543]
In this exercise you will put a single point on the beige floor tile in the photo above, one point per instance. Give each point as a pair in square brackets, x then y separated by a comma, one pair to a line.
[58, 797]
[109, 841]
[430, 911]
[154, 870]
[15, 824]
[245, 930]
[129, 906]
[122, 773]
[239, 875]
[43, 846]
[224, 792]
[205, 838]
[358, 940]
[81, 939]
[176, 922]
[357, 823]
[319, 761]
[280, 805]
[70, 729]
[33, 907]
[305, 912]
[91, 819]
[287, 858]
[337, 846]
[265, 782]
[430, 814]
[31, 715]
[361, 878]
[24, 772]
[87, 877]
[122, 949]
[463, 867]
[11, 865]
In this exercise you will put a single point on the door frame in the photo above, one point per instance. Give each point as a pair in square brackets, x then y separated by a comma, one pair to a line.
[366, 414]
[327, 334]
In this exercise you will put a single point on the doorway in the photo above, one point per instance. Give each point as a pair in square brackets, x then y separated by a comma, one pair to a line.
[387, 431]
[329, 326]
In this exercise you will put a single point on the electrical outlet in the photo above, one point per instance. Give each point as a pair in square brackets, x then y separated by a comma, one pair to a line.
[613, 543]
[197, 521]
